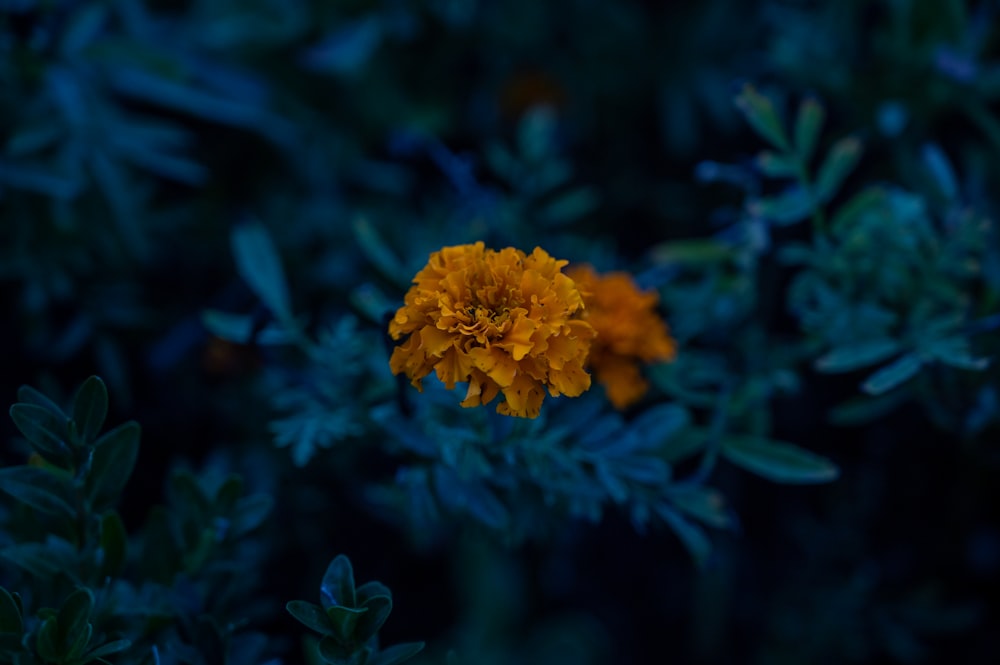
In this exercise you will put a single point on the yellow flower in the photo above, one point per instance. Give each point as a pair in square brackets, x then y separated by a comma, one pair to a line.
[629, 332]
[503, 321]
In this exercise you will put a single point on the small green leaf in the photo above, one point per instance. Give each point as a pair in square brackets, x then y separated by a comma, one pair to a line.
[46, 431]
[398, 653]
[808, 123]
[47, 490]
[106, 650]
[705, 504]
[250, 513]
[379, 607]
[790, 206]
[839, 162]
[345, 620]
[47, 642]
[759, 111]
[90, 408]
[893, 374]
[114, 459]
[114, 545]
[259, 264]
[29, 395]
[777, 461]
[337, 588]
[691, 535]
[73, 621]
[10, 614]
[311, 615]
[777, 165]
[856, 355]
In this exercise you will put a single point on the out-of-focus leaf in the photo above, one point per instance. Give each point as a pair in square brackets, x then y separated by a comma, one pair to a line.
[776, 165]
[10, 614]
[791, 206]
[865, 409]
[310, 615]
[778, 461]
[954, 352]
[808, 124]
[569, 207]
[49, 491]
[44, 560]
[259, 265]
[839, 162]
[941, 171]
[854, 356]
[398, 653]
[107, 649]
[378, 253]
[348, 49]
[691, 535]
[114, 545]
[250, 513]
[235, 328]
[705, 504]
[90, 408]
[34, 178]
[344, 621]
[759, 111]
[893, 374]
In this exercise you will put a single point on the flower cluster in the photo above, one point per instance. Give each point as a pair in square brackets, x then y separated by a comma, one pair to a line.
[629, 332]
[503, 321]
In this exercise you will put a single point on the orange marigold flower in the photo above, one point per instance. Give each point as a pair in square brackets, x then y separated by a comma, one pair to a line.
[629, 332]
[503, 321]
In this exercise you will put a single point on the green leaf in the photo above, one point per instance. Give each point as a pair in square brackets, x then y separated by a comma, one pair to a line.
[941, 171]
[691, 535]
[46, 431]
[777, 165]
[29, 395]
[759, 111]
[569, 207]
[106, 650]
[250, 513]
[114, 545]
[345, 620]
[73, 622]
[375, 598]
[48, 491]
[337, 587]
[310, 615]
[790, 206]
[777, 461]
[334, 652]
[893, 374]
[864, 409]
[47, 642]
[10, 614]
[705, 504]
[808, 123]
[398, 653]
[954, 352]
[839, 162]
[228, 494]
[44, 560]
[856, 355]
[259, 264]
[235, 328]
[114, 459]
[90, 408]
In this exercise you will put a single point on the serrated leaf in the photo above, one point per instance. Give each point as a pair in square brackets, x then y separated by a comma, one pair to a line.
[337, 588]
[10, 614]
[856, 355]
[310, 615]
[90, 408]
[398, 653]
[893, 374]
[808, 124]
[259, 264]
[839, 162]
[45, 431]
[114, 545]
[759, 111]
[691, 535]
[45, 490]
[778, 461]
[113, 461]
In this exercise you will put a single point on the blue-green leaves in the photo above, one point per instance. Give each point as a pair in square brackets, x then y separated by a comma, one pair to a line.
[778, 461]
[259, 264]
[350, 618]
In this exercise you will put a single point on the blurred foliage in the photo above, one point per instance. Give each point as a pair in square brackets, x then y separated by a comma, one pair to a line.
[215, 205]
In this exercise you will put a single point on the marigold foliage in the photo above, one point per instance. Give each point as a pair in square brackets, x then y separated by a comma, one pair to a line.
[629, 332]
[502, 321]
